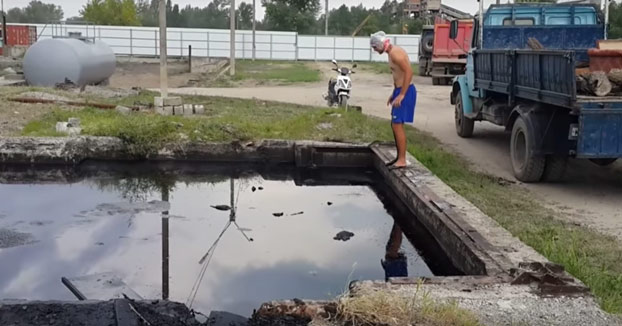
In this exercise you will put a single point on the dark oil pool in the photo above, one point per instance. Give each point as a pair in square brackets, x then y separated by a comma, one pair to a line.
[278, 244]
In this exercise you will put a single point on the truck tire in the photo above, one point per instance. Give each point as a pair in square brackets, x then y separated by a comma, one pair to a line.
[554, 168]
[603, 161]
[428, 43]
[423, 67]
[464, 125]
[527, 166]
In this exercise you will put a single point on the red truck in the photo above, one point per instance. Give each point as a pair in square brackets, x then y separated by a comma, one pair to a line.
[448, 57]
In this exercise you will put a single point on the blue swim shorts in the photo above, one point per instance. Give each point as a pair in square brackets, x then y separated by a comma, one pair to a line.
[405, 113]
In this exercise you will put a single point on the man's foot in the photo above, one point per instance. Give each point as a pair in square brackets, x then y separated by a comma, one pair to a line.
[391, 162]
[397, 167]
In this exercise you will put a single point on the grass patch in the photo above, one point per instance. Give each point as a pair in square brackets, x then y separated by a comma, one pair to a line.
[276, 71]
[383, 67]
[385, 308]
[588, 255]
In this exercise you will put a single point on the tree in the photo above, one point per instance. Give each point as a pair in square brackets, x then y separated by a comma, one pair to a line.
[111, 12]
[615, 20]
[245, 14]
[36, 12]
[291, 15]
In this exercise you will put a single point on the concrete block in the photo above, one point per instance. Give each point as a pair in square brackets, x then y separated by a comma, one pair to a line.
[73, 122]
[178, 110]
[164, 110]
[199, 109]
[167, 101]
[188, 109]
[61, 127]
[123, 110]
[67, 128]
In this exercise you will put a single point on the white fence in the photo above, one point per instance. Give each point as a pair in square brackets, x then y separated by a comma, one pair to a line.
[144, 41]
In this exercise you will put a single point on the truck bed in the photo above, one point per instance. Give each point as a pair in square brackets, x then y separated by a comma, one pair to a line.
[541, 76]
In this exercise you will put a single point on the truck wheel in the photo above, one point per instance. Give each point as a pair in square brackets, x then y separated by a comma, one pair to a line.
[527, 166]
[555, 168]
[423, 66]
[428, 43]
[603, 161]
[464, 125]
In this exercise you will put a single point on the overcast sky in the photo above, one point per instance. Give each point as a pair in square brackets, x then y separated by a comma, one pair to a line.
[72, 7]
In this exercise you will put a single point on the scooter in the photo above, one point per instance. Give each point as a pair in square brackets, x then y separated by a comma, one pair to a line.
[339, 89]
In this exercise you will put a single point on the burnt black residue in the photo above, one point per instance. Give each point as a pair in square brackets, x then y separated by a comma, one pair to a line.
[113, 312]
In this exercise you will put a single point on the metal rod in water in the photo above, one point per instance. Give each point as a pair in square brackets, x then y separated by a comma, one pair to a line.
[73, 288]
[165, 253]
[232, 213]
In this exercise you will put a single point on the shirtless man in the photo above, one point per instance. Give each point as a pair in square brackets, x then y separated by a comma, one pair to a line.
[404, 96]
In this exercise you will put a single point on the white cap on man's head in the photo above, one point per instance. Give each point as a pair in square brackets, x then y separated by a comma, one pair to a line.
[377, 40]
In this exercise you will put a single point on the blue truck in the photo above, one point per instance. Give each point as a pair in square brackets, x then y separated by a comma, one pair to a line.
[533, 93]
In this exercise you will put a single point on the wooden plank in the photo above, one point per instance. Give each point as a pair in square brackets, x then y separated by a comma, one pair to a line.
[103, 286]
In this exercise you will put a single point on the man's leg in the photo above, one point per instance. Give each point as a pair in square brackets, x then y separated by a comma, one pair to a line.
[400, 143]
[391, 162]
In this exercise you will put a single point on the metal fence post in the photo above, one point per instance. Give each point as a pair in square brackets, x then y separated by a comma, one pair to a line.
[334, 47]
[131, 43]
[353, 49]
[181, 43]
[315, 49]
[243, 46]
[296, 47]
[270, 46]
[208, 44]
[155, 40]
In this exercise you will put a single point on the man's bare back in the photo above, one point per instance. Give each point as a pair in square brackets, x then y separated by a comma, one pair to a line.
[396, 55]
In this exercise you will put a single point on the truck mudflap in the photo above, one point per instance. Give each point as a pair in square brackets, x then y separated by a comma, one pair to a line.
[599, 133]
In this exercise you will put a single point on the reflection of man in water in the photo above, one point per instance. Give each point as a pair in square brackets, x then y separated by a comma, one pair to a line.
[394, 262]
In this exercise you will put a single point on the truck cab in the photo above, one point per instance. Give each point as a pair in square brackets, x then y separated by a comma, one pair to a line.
[521, 74]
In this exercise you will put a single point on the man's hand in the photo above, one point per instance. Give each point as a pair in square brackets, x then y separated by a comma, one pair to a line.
[390, 100]
[398, 101]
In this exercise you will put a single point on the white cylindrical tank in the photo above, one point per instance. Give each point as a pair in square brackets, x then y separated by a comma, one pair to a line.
[81, 61]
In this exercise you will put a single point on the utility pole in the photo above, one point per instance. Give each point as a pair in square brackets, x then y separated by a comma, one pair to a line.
[481, 24]
[606, 18]
[163, 67]
[232, 39]
[326, 19]
[254, 27]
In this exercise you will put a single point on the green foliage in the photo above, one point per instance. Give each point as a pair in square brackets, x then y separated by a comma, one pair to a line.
[291, 15]
[35, 12]
[615, 20]
[111, 12]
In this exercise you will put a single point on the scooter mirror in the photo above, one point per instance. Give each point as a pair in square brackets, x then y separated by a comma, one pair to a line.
[334, 62]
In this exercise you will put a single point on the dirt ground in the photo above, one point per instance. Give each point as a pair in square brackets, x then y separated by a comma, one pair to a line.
[145, 73]
[588, 196]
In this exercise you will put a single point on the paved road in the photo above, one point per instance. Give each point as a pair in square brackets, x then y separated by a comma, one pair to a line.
[590, 195]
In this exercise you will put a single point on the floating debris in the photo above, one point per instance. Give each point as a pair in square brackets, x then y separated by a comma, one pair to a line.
[10, 238]
[260, 188]
[222, 207]
[329, 203]
[277, 214]
[99, 243]
[299, 213]
[343, 236]
[254, 189]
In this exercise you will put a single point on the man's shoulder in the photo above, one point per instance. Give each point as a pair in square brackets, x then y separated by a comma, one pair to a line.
[398, 52]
